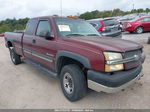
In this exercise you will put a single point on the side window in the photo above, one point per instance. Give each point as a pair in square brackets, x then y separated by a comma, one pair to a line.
[43, 27]
[146, 20]
[93, 24]
[96, 24]
[31, 26]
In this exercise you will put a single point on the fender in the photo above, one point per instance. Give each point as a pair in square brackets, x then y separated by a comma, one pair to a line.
[13, 45]
[139, 25]
[6, 43]
[74, 56]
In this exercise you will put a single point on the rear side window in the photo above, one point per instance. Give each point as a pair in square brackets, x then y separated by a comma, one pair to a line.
[93, 24]
[31, 26]
[146, 20]
[43, 26]
[96, 24]
[110, 22]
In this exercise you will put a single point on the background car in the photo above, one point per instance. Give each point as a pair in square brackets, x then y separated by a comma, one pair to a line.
[1, 35]
[131, 17]
[138, 25]
[107, 27]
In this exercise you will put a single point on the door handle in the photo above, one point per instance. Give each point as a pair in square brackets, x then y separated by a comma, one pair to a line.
[33, 41]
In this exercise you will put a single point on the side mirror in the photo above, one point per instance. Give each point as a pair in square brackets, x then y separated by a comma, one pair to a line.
[47, 35]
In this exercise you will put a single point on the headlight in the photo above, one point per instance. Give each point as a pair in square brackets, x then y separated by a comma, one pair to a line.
[111, 56]
[128, 25]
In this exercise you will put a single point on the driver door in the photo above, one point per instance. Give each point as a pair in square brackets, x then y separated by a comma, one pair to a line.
[44, 50]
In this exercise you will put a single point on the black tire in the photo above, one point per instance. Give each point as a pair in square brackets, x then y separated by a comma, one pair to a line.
[79, 83]
[139, 30]
[130, 31]
[15, 58]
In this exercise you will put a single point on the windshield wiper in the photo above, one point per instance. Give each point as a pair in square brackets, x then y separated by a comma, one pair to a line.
[75, 34]
[93, 35]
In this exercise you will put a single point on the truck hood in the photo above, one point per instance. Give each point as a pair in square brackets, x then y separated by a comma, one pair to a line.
[105, 43]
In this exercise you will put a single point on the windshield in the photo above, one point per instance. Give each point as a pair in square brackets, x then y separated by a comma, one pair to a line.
[70, 27]
[110, 22]
[131, 19]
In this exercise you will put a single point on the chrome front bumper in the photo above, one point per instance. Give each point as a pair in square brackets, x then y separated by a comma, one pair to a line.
[101, 88]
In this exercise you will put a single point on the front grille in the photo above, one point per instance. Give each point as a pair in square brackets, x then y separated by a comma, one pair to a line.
[130, 54]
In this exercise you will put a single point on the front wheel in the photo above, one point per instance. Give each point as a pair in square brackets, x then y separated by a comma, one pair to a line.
[15, 58]
[139, 30]
[73, 82]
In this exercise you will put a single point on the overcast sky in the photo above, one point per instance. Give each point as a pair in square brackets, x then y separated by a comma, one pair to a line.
[33, 8]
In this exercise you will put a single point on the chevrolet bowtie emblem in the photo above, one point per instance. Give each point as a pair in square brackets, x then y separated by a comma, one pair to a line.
[136, 57]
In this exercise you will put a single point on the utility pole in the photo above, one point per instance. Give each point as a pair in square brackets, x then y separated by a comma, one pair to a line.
[61, 8]
[133, 6]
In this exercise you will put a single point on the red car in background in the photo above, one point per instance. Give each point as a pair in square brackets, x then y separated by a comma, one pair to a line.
[1, 35]
[137, 25]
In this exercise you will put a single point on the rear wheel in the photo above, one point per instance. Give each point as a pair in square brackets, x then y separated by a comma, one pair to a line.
[15, 58]
[139, 30]
[73, 82]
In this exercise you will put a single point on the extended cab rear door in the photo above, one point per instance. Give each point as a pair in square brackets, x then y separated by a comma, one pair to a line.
[27, 42]
[44, 50]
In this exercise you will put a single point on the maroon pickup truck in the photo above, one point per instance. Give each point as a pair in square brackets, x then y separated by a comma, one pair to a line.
[73, 51]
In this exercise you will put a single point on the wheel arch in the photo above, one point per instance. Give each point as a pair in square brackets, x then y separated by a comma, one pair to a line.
[139, 26]
[66, 57]
[9, 44]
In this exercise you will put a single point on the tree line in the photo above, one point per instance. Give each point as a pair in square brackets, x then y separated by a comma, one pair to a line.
[20, 24]
[110, 13]
[10, 25]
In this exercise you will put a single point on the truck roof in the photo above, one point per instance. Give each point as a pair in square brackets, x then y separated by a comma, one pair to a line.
[53, 17]
[45, 17]
[56, 17]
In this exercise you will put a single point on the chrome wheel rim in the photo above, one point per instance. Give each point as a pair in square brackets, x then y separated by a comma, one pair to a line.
[68, 83]
[139, 30]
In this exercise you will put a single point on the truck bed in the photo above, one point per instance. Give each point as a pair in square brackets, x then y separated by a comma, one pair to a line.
[16, 39]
